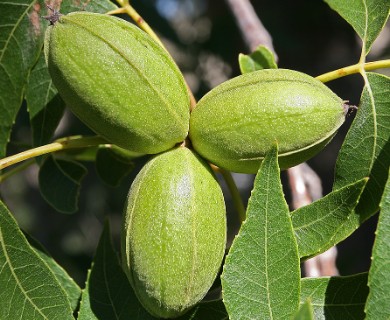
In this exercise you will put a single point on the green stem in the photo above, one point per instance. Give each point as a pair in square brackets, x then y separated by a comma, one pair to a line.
[60, 144]
[237, 201]
[138, 20]
[15, 170]
[356, 68]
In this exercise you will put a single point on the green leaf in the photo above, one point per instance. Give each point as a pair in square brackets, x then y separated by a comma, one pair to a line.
[28, 288]
[323, 223]
[378, 306]
[261, 276]
[44, 104]
[305, 312]
[21, 39]
[114, 164]
[59, 183]
[336, 297]
[261, 58]
[366, 149]
[379, 91]
[209, 310]
[108, 294]
[367, 17]
[99, 6]
[70, 287]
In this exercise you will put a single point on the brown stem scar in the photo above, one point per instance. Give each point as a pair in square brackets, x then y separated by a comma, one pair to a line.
[54, 17]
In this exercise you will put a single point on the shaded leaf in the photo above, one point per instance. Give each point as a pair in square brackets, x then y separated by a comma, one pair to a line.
[305, 311]
[44, 104]
[108, 294]
[318, 226]
[336, 297]
[378, 306]
[209, 310]
[59, 183]
[366, 150]
[367, 17]
[70, 287]
[261, 276]
[21, 38]
[114, 164]
[28, 288]
[261, 58]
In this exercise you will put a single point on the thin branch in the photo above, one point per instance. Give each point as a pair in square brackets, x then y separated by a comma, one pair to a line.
[236, 197]
[15, 170]
[253, 31]
[60, 144]
[137, 18]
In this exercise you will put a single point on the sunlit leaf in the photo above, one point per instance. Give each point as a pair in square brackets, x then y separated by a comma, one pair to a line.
[28, 287]
[70, 287]
[261, 58]
[366, 150]
[378, 306]
[367, 17]
[261, 275]
[318, 225]
[305, 311]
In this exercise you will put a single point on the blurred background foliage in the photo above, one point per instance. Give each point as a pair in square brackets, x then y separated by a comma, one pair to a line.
[203, 38]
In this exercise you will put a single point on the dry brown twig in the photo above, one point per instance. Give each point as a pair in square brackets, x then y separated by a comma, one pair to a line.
[253, 31]
[304, 183]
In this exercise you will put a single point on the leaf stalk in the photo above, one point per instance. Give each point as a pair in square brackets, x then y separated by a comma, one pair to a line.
[356, 68]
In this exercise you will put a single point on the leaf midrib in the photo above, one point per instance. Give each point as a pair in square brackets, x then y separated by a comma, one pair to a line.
[19, 284]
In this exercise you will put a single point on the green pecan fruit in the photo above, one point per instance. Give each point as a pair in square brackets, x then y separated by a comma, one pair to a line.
[236, 123]
[118, 81]
[174, 232]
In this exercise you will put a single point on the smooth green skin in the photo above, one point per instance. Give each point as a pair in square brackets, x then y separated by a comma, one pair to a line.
[118, 81]
[236, 123]
[174, 232]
